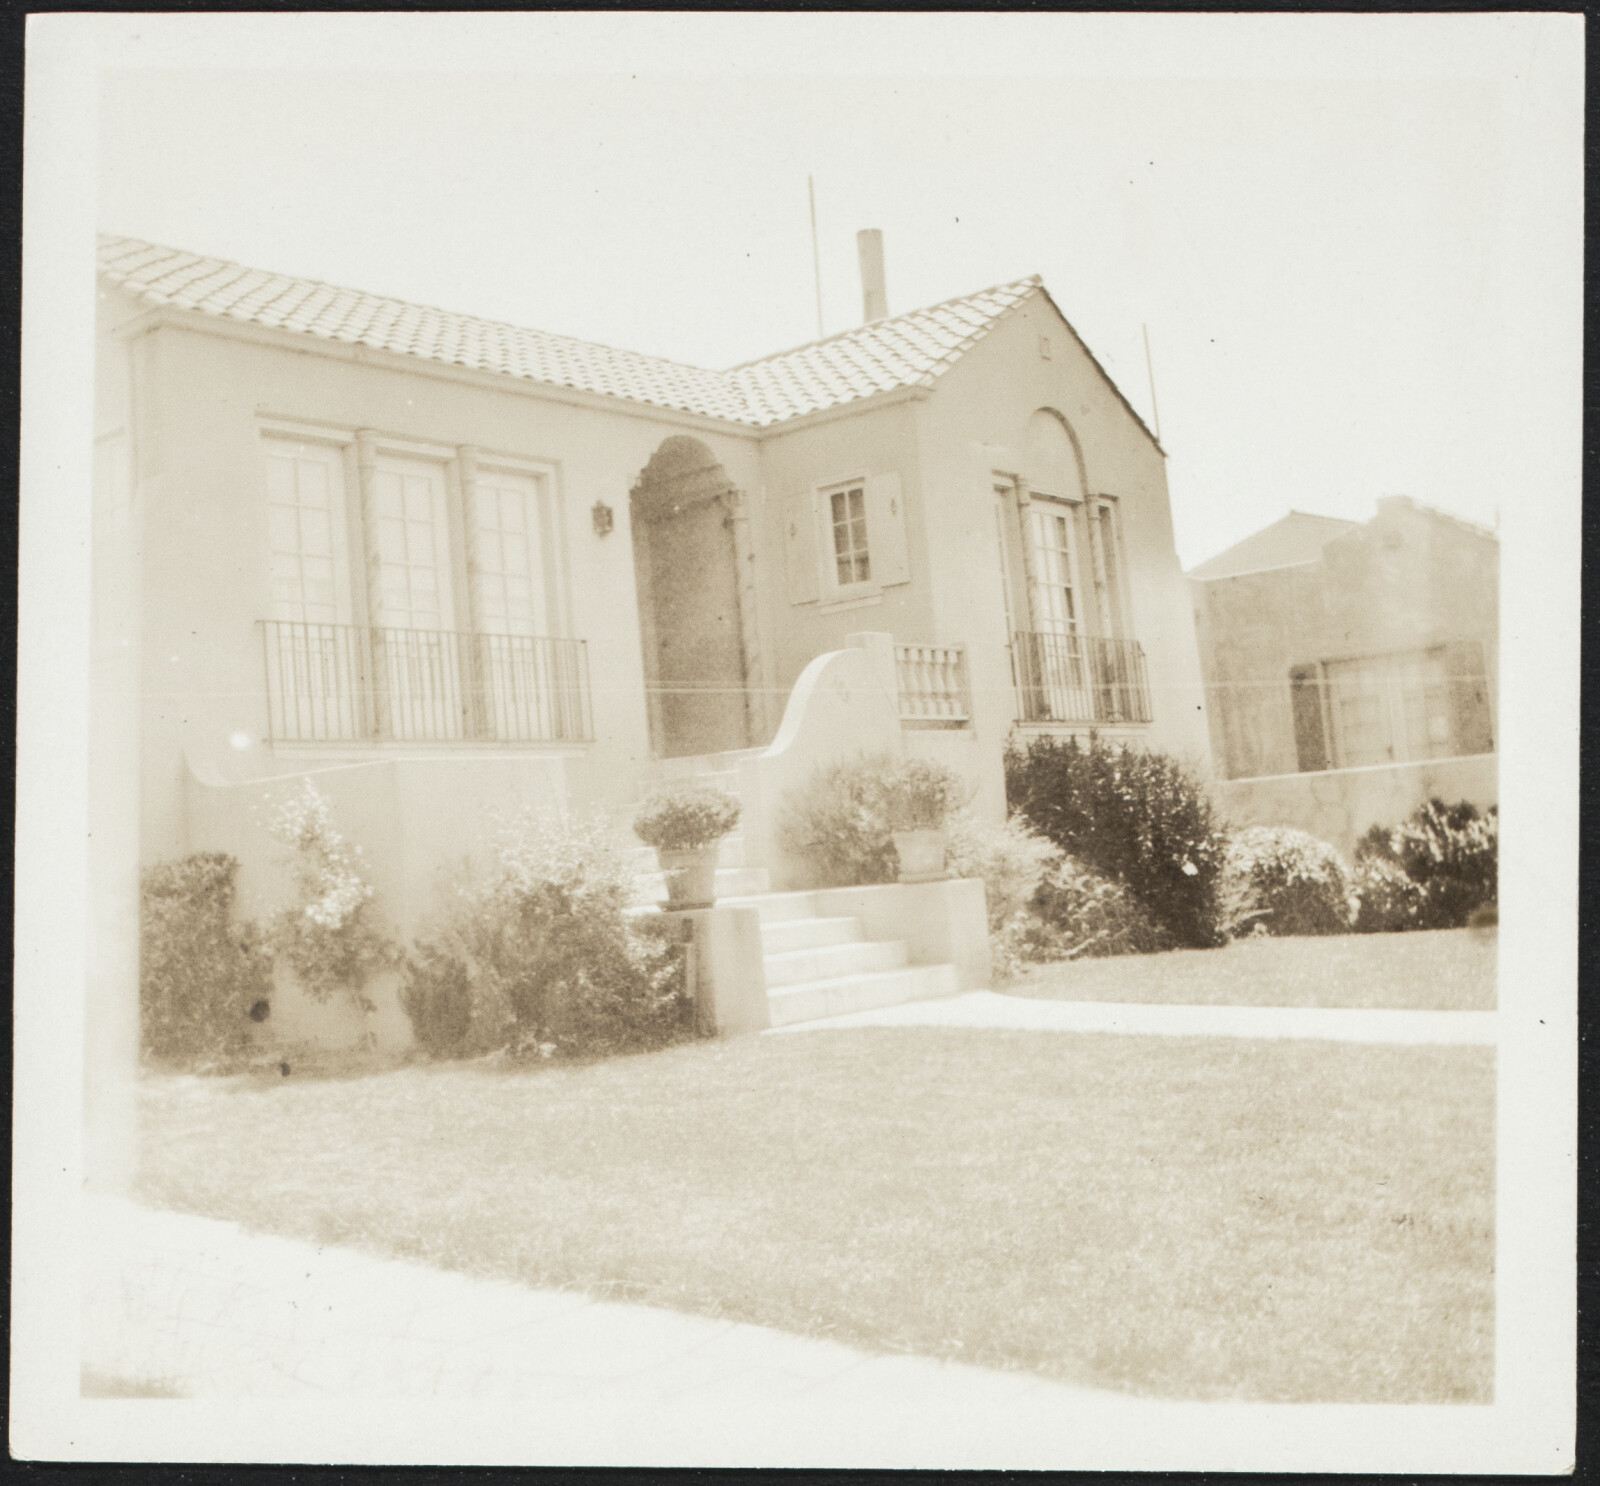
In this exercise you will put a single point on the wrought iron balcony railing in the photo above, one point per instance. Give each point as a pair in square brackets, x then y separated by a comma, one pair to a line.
[1079, 678]
[345, 683]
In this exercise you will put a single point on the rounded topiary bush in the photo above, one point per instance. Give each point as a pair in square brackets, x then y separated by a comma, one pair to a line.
[1286, 881]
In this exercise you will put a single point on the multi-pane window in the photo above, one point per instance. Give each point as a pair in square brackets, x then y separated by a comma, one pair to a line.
[848, 510]
[510, 567]
[1054, 578]
[413, 546]
[305, 513]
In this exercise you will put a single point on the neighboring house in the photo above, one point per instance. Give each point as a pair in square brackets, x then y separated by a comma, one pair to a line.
[447, 564]
[1351, 670]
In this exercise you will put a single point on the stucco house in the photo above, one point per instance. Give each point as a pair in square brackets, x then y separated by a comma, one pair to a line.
[1351, 669]
[443, 563]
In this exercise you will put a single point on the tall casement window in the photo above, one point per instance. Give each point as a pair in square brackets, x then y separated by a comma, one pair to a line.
[312, 664]
[1055, 606]
[848, 516]
[305, 532]
[509, 566]
[413, 545]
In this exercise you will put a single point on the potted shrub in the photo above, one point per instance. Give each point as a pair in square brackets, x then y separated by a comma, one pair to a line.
[685, 828]
[918, 795]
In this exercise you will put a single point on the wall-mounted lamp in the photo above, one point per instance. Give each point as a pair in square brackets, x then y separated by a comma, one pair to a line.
[604, 518]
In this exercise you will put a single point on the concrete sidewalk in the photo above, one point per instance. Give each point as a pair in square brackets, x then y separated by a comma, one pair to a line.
[187, 1307]
[1328, 1024]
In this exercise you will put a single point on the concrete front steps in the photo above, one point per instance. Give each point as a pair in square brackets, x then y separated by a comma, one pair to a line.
[819, 966]
[816, 966]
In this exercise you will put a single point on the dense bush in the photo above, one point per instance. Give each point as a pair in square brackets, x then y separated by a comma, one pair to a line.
[686, 819]
[1139, 818]
[329, 937]
[199, 976]
[436, 993]
[842, 821]
[1386, 899]
[547, 954]
[1451, 852]
[1078, 912]
[1285, 881]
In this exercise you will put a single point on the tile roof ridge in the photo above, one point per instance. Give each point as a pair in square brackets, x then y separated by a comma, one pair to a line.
[115, 239]
[1031, 281]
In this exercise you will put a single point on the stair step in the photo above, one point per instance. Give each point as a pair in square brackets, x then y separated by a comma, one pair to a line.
[808, 933]
[812, 1000]
[831, 961]
[776, 908]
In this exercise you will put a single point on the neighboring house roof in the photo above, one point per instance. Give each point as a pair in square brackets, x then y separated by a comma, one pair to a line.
[904, 351]
[1299, 537]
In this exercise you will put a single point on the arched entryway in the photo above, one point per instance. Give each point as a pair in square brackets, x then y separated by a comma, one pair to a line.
[693, 564]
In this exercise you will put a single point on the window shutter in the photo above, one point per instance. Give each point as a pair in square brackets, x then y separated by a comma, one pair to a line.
[1310, 741]
[800, 547]
[886, 530]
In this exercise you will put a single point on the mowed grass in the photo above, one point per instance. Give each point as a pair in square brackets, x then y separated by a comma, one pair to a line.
[1189, 1218]
[1429, 970]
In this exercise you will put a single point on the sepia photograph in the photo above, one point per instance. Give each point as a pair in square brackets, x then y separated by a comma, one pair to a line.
[779, 740]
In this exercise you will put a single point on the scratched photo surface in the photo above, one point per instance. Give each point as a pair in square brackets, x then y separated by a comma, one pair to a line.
[794, 740]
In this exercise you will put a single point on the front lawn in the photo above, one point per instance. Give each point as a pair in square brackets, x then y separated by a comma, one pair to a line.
[1195, 1218]
[1426, 970]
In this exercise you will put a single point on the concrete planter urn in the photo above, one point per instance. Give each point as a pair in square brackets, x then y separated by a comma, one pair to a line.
[691, 875]
[686, 828]
[922, 855]
[918, 795]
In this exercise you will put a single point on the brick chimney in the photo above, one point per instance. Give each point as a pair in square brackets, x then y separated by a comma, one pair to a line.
[874, 292]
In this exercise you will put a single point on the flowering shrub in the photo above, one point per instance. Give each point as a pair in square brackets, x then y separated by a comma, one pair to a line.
[199, 976]
[918, 794]
[1286, 881]
[1386, 898]
[1080, 912]
[1012, 860]
[546, 955]
[1137, 817]
[686, 819]
[1451, 852]
[328, 937]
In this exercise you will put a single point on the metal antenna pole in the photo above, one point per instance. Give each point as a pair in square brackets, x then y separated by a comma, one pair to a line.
[1150, 369]
[816, 255]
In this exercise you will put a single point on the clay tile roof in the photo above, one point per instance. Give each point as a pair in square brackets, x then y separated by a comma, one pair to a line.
[906, 351]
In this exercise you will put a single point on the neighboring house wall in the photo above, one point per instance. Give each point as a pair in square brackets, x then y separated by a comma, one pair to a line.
[1345, 690]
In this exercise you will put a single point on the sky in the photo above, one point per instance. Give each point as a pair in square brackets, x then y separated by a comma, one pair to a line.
[1314, 252]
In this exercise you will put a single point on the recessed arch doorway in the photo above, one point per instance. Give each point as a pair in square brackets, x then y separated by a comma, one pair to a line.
[693, 566]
